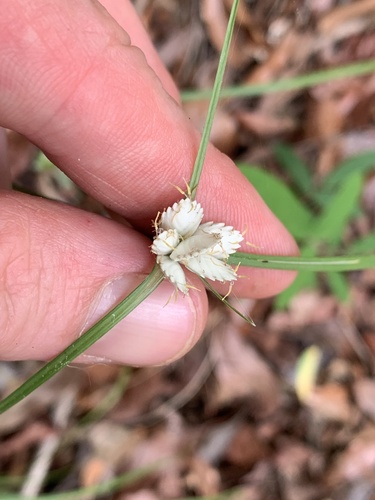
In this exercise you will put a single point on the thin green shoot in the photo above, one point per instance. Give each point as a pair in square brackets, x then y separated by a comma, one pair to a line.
[228, 304]
[285, 84]
[316, 264]
[97, 490]
[215, 95]
[110, 400]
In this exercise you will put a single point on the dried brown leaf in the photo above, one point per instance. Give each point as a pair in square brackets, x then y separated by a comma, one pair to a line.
[266, 124]
[240, 372]
[357, 461]
[246, 448]
[202, 477]
[339, 17]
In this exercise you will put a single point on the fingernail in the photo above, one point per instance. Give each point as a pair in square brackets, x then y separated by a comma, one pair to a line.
[160, 329]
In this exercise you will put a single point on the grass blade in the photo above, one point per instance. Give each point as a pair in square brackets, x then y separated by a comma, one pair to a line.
[97, 331]
[228, 304]
[304, 281]
[359, 164]
[286, 84]
[363, 245]
[291, 211]
[333, 219]
[316, 264]
[215, 95]
[339, 286]
[106, 488]
[295, 167]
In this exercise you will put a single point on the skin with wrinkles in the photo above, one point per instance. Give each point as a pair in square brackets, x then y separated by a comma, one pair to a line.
[82, 81]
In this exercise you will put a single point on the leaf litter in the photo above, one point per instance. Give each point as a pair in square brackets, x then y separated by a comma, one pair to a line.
[228, 417]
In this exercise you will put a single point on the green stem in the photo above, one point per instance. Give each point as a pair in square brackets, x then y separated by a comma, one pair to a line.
[214, 95]
[94, 333]
[317, 264]
[285, 84]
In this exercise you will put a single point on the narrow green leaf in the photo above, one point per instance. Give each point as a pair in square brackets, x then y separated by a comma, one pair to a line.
[316, 264]
[295, 167]
[296, 217]
[105, 488]
[228, 304]
[335, 216]
[363, 245]
[97, 331]
[110, 399]
[215, 95]
[286, 84]
[338, 285]
[359, 164]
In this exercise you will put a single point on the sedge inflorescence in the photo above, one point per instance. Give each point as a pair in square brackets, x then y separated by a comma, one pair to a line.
[204, 249]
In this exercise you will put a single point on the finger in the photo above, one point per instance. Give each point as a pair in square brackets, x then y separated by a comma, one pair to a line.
[99, 111]
[126, 16]
[62, 269]
[5, 177]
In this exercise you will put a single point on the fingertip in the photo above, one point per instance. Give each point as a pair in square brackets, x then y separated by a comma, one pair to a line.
[127, 17]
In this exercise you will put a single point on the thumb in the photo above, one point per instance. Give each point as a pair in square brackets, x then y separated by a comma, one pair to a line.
[63, 269]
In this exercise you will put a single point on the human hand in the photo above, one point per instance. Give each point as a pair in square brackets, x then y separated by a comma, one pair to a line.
[106, 113]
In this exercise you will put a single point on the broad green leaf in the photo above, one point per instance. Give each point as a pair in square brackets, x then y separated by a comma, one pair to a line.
[338, 285]
[364, 245]
[359, 164]
[305, 280]
[335, 216]
[295, 167]
[295, 216]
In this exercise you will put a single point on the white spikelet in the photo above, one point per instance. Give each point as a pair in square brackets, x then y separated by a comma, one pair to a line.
[184, 216]
[174, 272]
[165, 242]
[194, 245]
[229, 239]
[209, 267]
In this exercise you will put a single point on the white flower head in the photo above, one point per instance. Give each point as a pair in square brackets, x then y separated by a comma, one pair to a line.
[202, 248]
